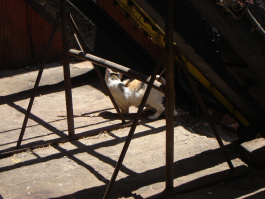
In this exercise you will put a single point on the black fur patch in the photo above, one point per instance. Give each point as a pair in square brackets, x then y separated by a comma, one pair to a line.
[121, 86]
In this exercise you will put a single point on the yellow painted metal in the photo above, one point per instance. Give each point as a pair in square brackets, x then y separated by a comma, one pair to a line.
[144, 21]
[157, 34]
[218, 95]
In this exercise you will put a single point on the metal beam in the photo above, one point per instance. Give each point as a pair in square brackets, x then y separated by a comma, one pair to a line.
[133, 127]
[34, 91]
[204, 109]
[66, 69]
[117, 67]
[170, 95]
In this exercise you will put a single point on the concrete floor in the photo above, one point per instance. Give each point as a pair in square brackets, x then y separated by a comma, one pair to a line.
[82, 168]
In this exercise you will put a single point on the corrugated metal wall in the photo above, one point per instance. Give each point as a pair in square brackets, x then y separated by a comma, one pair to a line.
[24, 36]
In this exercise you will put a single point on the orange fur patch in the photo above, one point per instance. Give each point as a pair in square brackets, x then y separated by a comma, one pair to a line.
[133, 84]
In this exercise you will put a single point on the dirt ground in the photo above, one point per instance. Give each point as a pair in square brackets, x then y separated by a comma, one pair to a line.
[83, 168]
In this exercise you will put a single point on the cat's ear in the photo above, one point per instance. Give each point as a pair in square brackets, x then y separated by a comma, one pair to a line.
[120, 75]
[107, 71]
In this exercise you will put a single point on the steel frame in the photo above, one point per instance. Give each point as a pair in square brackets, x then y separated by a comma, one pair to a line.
[168, 56]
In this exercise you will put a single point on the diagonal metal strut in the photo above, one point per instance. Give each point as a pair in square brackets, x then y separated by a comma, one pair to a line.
[133, 127]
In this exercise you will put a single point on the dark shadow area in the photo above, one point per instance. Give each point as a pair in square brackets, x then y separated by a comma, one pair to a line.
[200, 126]
[27, 139]
[98, 111]
[27, 69]
[47, 125]
[78, 161]
[204, 182]
[127, 185]
[258, 195]
[129, 117]
[38, 120]
[87, 78]
[183, 167]
[209, 44]
[104, 144]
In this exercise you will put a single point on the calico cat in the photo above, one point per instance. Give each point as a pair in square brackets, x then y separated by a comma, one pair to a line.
[130, 93]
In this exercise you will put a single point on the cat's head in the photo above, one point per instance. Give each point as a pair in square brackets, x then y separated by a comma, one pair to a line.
[112, 74]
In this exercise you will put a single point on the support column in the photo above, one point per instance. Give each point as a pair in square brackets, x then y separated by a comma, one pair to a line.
[66, 68]
[170, 95]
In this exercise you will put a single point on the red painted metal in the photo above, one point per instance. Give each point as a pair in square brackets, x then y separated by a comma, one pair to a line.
[24, 36]
[131, 27]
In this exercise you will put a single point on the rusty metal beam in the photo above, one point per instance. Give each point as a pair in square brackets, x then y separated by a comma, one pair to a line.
[66, 68]
[114, 66]
[170, 95]
[133, 127]
[204, 108]
[34, 91]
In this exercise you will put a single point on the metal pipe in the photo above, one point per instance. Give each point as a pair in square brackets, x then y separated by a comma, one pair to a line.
[170, 95]
[23, 129]
[84, 48]
[66, 69]
[161, 74]
[255, 23]
[204, 108]
[133, 127]
[117, 67]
